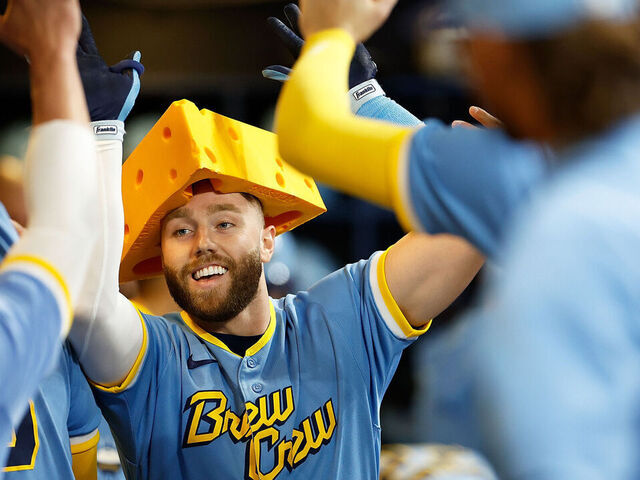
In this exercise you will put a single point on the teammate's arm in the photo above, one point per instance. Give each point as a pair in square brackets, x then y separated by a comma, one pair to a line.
[437, 179]
[43, 272]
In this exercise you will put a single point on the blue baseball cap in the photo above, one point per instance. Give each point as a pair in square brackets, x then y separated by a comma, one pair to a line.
[537, 18]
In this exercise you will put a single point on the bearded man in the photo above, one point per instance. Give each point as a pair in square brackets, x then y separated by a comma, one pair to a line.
[239, 385]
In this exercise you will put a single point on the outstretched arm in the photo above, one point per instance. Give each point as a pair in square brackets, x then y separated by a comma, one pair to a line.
[107, 326]
[43, 272]
[440, 180]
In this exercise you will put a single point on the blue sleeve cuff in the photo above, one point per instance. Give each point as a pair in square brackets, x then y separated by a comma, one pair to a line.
[383, 108]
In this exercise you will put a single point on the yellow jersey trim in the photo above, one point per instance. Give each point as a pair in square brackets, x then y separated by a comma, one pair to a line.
[86, 445]
[407, 329]
[32, 410]
[255, 348]
[53, 272]
[399, 187]
[124, 384]
[140, 307]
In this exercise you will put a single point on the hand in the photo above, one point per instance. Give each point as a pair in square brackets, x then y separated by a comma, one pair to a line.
[41, 28]
[482, 116]
[360, 18]
[363, 67]
[110, 91]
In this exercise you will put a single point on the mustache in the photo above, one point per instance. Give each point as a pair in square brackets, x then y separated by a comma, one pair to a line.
[208, 259]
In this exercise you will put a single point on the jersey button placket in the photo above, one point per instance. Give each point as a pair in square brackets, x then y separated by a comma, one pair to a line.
[256, 387]
[251, 363]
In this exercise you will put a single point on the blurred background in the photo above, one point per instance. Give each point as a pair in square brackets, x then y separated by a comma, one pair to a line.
[212, 52]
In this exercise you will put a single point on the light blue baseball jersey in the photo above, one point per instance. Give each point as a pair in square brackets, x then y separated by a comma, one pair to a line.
[62, 414]
[558, 354]
[29, 319]
[62, 419]
[109, 466]
[304, 400]
[467, 182]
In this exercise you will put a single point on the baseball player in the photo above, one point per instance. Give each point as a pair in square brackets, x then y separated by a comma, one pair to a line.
[554, 360]
[238, 385]
[43, 272]
[57, 436]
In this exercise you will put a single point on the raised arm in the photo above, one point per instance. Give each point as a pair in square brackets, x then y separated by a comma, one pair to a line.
[43, 272]
[437, 179]
[107, 326]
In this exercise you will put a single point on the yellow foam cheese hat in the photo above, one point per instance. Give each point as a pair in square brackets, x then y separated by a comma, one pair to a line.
[188, 145]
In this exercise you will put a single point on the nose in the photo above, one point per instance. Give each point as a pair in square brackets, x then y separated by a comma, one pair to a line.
[204, 244]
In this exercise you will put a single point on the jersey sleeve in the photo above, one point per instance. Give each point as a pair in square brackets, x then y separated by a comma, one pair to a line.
[84, 415]
[30, 318]
[372, 325]
[466, 182]
[557, 351]
[129, 406]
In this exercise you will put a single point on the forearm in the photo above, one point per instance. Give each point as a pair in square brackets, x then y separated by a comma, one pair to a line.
[319, 135]
[106, 325]
[60, 193]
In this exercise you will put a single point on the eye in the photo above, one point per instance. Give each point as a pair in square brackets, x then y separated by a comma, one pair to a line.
[225, 225]
[181, 232]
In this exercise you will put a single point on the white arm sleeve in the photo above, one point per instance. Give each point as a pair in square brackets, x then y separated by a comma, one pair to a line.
[61, 198]
[107, 333]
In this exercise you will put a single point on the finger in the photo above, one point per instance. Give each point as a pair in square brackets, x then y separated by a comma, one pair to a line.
[277, 73]
[292, 12]
[131, 63]
[485, 118]
[292, 41]
[86, 42]
[136, 71]
[462, 124]
[19, 228]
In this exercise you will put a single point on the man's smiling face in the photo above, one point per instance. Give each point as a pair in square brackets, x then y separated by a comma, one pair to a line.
[212, 253]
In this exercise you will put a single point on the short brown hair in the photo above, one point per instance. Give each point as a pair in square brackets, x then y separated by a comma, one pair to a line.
[590, 75]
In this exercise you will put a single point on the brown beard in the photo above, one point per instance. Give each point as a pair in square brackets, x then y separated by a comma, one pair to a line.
[214, 307]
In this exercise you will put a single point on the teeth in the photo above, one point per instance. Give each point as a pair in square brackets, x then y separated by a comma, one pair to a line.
[209, 271]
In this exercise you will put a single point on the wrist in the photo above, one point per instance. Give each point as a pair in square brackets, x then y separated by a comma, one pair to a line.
[363, 93]
[106, 130]
[46, 59]
[331, 34]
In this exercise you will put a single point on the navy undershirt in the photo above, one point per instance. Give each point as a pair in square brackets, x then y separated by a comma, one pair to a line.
[237, 343]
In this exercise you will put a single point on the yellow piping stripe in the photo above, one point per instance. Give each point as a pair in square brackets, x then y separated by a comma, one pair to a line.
[140, 307]
[407, 329]
[86, 446]
[400, 159]
[121, 386]
[36, 447]
[266, 336]
[51, 271]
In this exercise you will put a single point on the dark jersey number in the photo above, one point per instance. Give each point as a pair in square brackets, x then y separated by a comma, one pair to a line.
[24, 443]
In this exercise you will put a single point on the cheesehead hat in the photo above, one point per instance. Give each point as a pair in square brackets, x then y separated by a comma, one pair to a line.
[188, 145]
